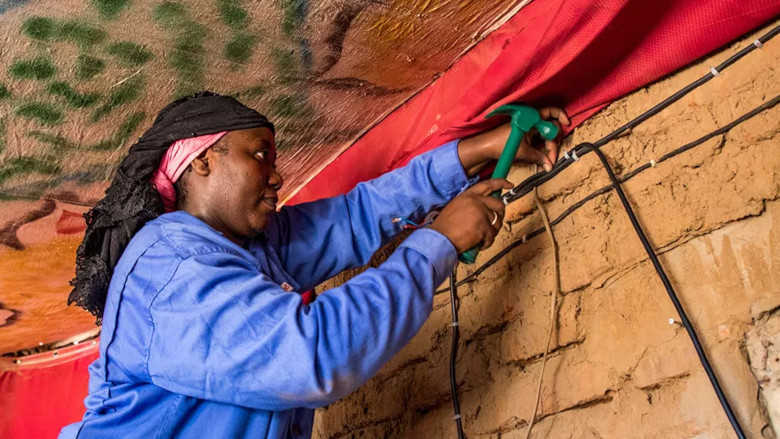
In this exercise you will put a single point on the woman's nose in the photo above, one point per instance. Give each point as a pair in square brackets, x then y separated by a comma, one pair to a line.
[275, 180]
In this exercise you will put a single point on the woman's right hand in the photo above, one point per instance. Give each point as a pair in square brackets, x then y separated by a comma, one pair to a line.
[473, 217]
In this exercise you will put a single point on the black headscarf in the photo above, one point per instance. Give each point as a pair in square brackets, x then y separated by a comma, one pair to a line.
[131, 200]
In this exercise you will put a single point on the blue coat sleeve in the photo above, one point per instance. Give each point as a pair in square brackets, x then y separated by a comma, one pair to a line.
[225, 332]
[317, 240]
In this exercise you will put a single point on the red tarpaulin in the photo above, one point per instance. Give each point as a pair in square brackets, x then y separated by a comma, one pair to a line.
[45, 392]
[578, 54]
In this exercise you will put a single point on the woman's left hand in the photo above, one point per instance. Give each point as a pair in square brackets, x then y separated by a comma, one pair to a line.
[476, 151]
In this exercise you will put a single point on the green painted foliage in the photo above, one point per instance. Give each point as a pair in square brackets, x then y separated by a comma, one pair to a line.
[188, 59]
[3, 131]
[81, 32]
[240, 48]
[170, 13]
[27, 165]
[57, 142]
[294, 14]
[60, 143]
[291, 106]
[124, 93]
[36, 68]
[4, 92]
[286, 66]
[110, 9]
[232, 14]
[128, 127]
[251, 92]
[74, 98]
[41, 112]
[121, 136]
[39, 28]
[129, 53]
[87, 67]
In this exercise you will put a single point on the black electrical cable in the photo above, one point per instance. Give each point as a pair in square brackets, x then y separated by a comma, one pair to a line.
[603, 190]
[670, 290]
[537, 179]
[454, 351]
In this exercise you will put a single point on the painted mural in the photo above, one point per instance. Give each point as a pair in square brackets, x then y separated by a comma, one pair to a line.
[81, 79]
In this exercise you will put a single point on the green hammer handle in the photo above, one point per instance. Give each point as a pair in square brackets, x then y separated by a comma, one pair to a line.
[501, 171]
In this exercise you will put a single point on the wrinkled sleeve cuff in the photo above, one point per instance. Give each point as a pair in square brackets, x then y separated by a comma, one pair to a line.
[448, 174]
[437, 248]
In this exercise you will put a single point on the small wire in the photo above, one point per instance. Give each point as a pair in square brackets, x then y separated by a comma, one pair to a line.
[553, 306]
[409, 224]
[454, 350]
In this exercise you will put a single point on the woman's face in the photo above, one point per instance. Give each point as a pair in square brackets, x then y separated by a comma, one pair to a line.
[243, 186]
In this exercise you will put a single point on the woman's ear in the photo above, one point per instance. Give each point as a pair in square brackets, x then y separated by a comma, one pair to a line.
[200, 164]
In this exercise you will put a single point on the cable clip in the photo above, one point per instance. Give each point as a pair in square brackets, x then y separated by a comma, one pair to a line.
[574, 156]
[454, 324]
[456, 417]
[652, 163]
[758, 43]
[525, 238]
[566, 154]
[714, 71]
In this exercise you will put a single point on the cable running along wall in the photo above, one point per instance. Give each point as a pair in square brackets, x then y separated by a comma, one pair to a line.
[573, 156]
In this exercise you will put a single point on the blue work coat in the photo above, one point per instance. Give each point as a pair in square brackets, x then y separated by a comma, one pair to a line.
[203, 338]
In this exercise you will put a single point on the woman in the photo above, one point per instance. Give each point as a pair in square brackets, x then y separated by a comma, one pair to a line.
[204, 333]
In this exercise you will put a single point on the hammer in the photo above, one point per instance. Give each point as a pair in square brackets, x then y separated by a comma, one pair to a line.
[524, 119]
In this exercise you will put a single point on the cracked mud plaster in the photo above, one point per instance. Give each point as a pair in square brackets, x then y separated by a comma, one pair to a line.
[763, 347]
[618, 368]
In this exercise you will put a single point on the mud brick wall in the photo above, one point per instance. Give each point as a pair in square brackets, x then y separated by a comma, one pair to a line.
[618, 368]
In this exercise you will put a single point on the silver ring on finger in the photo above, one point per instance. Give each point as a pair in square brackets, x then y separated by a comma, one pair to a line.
[495, 218]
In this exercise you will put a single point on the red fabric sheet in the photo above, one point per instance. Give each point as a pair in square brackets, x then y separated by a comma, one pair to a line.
[38, 399]
[579, 54]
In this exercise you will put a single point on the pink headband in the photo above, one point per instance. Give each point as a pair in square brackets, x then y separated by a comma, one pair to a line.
[176, 159]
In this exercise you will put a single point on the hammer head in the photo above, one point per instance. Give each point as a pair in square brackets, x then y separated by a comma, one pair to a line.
[526, 118]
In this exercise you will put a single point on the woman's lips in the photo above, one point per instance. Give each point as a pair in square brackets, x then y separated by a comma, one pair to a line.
[270, 202]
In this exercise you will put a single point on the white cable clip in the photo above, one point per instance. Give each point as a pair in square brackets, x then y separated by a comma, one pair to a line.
[454, 324]
[566, 154]
[456, 417]
[574, 155]
[758, 43]
[525, 237]
[652, 163]
[714, 71]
